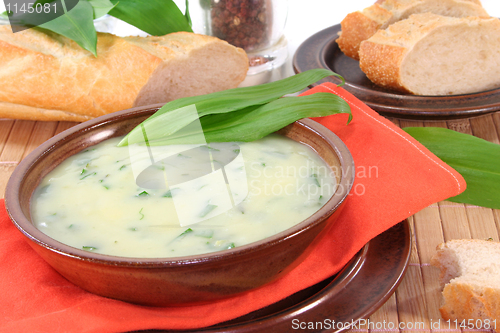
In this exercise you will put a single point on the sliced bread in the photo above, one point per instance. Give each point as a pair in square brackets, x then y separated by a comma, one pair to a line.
[49, 77]
[361, 25]
[470, 272]
[429, 54]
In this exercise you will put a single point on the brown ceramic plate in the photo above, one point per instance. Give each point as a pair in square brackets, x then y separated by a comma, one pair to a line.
[321, 51]
[363, 286]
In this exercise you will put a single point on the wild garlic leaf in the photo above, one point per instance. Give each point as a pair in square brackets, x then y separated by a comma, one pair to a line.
[101, 7]
[76, 24]
[187, 15]
[255, 122]
[223, 102]
[156, 17]
[34, 14]
[477, 160]
[239, 98]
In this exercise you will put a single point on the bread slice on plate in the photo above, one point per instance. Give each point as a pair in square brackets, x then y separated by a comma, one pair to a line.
[470, 270]
[361, 25]
[429, 54]
[49, 77]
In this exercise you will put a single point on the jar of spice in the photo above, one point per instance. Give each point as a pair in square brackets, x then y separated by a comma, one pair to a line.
[256, 26]
[243, 23]
[250, 24]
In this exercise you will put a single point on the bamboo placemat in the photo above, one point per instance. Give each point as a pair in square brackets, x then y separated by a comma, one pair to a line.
[414, 307]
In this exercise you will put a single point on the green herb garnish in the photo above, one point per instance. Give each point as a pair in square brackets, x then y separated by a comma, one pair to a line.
[88, 175]
[240, 114]
[89, 248]
[140, 213]
[210, 148]
[207, 210]
[104, 178]
[184, 234]
[143, 194]
[315, 180]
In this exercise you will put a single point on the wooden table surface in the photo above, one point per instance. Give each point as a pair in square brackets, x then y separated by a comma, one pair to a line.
[414, 307]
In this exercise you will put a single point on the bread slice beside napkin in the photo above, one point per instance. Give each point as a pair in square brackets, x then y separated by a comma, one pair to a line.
[470, 271]
[361, 25]
[49, 77]
[430, 54]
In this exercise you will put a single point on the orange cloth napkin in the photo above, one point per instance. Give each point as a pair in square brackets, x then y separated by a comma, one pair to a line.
[395, 178]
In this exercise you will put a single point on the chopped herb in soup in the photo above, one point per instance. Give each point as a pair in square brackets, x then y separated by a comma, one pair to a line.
[175, 201]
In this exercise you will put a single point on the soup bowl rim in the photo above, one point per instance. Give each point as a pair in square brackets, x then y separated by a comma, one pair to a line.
[24, 224]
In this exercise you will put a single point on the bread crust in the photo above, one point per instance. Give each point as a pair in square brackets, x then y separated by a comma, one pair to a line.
[472, 297]
[49, 77]
[19, 111]
[361, 25]
[406, 53]
[463, 303]
[36, 74]
[384, 73]
[357, 27]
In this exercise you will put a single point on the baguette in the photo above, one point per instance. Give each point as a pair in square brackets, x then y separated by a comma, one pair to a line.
[361, 25]
[429, 54]
[470, 271]
[49, 77]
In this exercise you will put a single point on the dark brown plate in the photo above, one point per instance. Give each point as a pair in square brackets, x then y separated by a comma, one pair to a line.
[363, 286]
[321, 51]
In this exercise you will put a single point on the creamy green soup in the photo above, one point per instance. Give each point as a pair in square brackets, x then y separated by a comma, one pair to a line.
[175, 201]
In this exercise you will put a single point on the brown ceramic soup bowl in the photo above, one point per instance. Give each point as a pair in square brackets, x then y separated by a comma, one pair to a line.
[179, 280]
